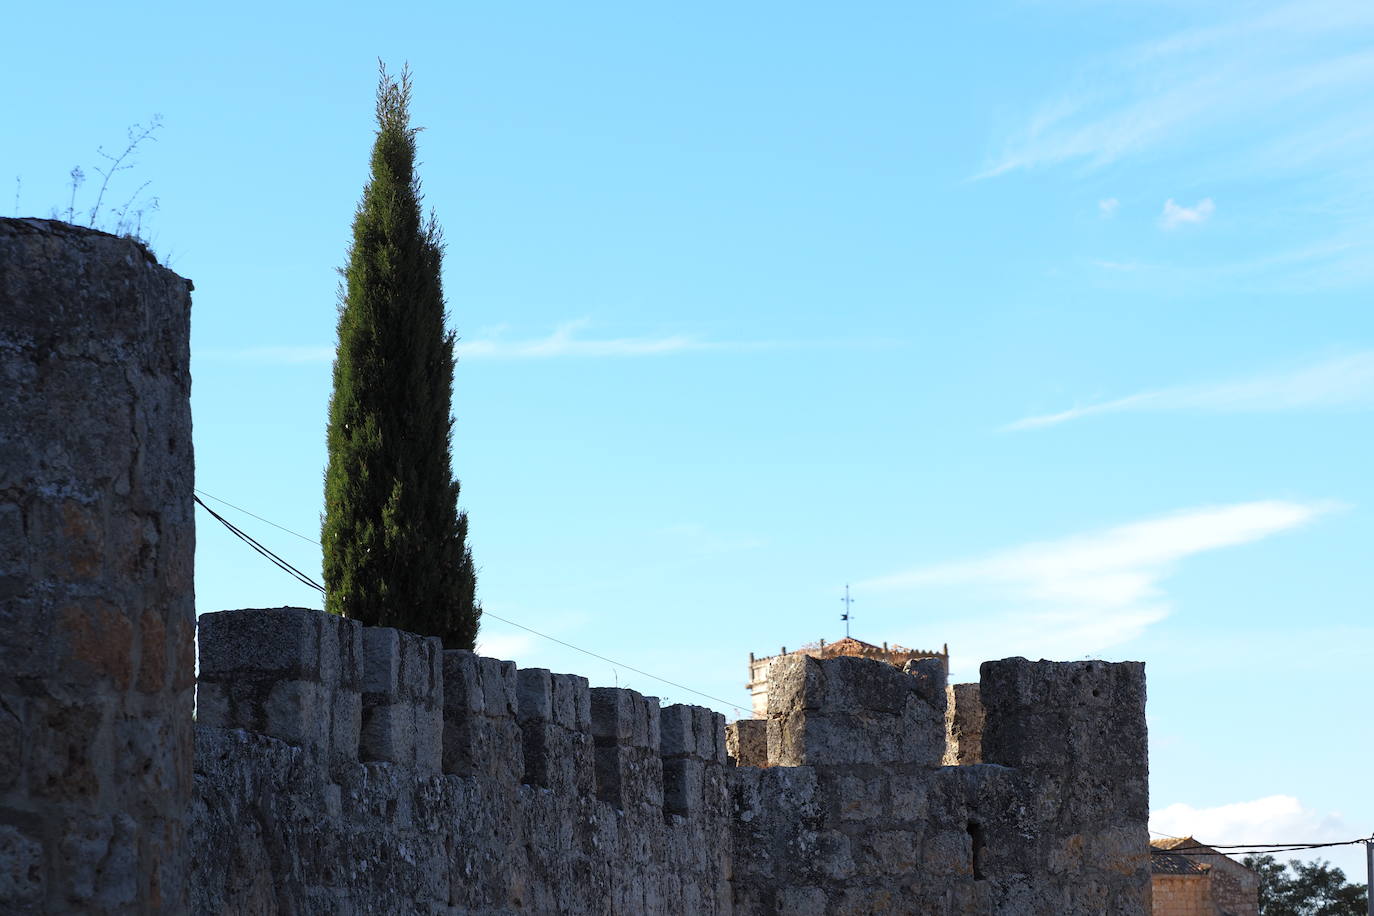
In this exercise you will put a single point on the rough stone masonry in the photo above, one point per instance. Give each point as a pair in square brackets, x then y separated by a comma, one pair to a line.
[342, 769]
[97, 603]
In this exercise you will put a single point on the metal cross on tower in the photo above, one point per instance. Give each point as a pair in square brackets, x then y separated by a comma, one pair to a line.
[846, 615]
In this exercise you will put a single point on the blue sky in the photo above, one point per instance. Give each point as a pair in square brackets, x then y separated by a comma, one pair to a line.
[1046, 325]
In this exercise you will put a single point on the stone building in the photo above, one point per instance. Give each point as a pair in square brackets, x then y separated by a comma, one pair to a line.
[841, 648]
[1180, 886]
[1189, 878]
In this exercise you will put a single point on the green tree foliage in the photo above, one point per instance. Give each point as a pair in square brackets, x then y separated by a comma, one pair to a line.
[1311, 889]
[395, 544]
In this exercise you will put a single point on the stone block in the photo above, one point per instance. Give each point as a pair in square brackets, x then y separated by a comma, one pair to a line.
[402, 700]
[388, 733]
[282, 642]
[349, 636]
[785, 745]
[963, 725]
[620, 717]
[462, 685]
[297, 712]
[629, 777]
[852, 685]
[794, 683]
[653, 735]
[480, 732]
[28, 649]
[212, 705]
[429, 739]
[346, 722]
[802, 901]
[683, 785]
[331, 663]
[1061, 716]
[382, 662]
[21, 871]
[421, 668]
[931, 679]
[677, 729]
[571, 703]
[710, 732]
[534, 687]
[500, 697]
[571, 762]
[747, 742]
[536, 737]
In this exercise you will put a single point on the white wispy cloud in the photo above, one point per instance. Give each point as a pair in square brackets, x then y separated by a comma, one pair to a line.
[1272, 819]
[1248, 70]
[1087, 593]
[1174, 215]
[1108, 207]
[1341, 382]
[563, 342]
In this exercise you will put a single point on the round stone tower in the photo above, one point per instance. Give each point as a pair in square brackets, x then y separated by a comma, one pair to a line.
[97, 543]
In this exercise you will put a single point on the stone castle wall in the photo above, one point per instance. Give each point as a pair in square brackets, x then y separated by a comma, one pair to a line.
[97, 543]
[343, 769]
[353, 769]
[855, 813]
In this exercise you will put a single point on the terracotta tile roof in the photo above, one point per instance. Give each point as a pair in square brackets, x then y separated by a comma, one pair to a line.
[1170, 863]
[850, 642]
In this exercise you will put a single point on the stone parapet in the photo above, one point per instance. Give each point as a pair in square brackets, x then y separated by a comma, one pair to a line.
[746, 742]
[292, 673]
[555, 722]
[403, 690]
[692, 740]
[480, 701]
[851, 711]
[855, 813]
[469, 785]
[1081, 725]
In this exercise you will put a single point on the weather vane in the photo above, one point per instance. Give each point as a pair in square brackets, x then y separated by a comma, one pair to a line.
[846, 615]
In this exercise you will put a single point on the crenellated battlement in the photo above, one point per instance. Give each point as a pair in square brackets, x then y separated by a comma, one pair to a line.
[853, 767]
[552, 796]
[347, 694]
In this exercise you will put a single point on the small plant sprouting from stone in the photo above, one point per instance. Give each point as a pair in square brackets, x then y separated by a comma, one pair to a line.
[127, 217]
[78, 177]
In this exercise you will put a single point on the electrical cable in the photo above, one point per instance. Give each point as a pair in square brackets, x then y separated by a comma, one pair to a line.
[251, 542]
[1242, 849]
[306, 580]
[226, 502]
[734, 706]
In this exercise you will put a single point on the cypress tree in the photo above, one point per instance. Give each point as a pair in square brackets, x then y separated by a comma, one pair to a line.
[395, 544]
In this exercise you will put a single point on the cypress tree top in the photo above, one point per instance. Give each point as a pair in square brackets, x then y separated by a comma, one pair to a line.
[395, 544]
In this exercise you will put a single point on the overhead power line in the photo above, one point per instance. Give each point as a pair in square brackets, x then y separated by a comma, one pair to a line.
[307, 581]
[1239, 849]
[661, 680]
[252, 542]
[226, 502]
